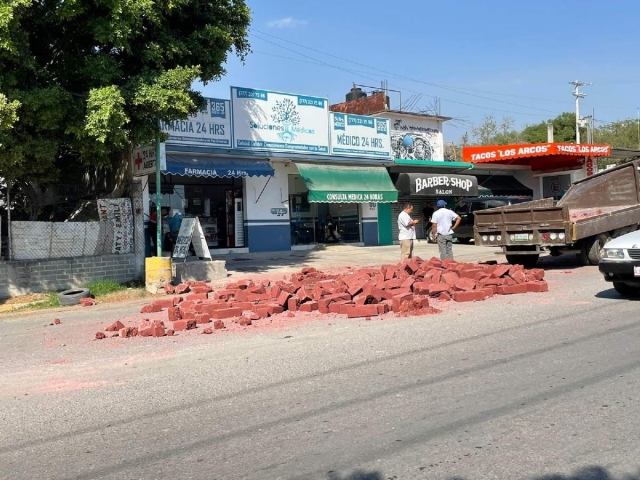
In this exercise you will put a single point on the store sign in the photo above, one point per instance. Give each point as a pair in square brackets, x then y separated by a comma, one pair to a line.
[143, 160]
[266, 120]
[432, 185]
[590, 167]
[211, 126]
[360, 136]
[279, 212]
[356, 197]
[508, 152]
[119, 213]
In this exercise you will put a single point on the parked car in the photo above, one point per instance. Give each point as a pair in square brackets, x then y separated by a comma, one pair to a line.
[620, 263]
[466, 207]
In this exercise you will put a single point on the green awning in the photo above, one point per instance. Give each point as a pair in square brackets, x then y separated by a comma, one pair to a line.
[342, 184]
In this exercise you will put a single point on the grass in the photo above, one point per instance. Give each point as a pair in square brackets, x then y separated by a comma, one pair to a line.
[50, 302]
[100, 288]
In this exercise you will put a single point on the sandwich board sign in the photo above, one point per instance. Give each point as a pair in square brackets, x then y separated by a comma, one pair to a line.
[191, 233]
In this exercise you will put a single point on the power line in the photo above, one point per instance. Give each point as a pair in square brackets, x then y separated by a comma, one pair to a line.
[403, 77]
[322, 63]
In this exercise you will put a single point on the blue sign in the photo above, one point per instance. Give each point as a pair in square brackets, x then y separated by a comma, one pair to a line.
[274, 121]
[360, 136]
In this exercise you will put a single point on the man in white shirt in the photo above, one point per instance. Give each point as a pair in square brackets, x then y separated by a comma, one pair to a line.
[442, 220]
[407, 231]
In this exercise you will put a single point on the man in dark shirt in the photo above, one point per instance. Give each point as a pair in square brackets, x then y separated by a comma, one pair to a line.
[427, 213]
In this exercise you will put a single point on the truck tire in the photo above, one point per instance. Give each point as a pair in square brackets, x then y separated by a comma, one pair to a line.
[626, 290]
[590, 251]
[527, 261]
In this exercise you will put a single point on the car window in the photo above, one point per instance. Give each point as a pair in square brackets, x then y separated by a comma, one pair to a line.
[475, 206]
[496, 203]
[461, 208]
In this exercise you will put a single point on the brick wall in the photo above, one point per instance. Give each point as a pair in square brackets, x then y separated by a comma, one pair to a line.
[32, 276]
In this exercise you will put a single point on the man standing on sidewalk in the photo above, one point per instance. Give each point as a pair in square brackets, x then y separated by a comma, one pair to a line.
[407, 229]
[442, 220]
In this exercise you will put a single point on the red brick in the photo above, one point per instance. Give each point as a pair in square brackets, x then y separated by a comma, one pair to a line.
[252, 316]
[173, 314]
[123, 332]
[196, 296]
[262, 312]
[538, 273]
[465, 284]
[399, 299]
[283, 298]
[323, 305]
[191, 324]
[203, 318]
[188, 314]
[292, 304]
[338, 296]
[177, 300]
[408, 283]
[488, 291]
[163, 303]
[507, 281]
[335, 307]
[180, 325]
[413, 265]
[100, 336]
[422, 288]
[244, 322]
[212, 307]
[500, 271]
[170, 333]
[257, 289]
[274, 309]
[304, 294]
[537, 287]
[389, 294]
[225, 294]
[421, 302]
[450, 278]
[512, 289]
[309, 306]
[207, 331]
[438, 288]
[357, 311]
[390, 284]
[491, 281]
[435, 276]
[308, 270]
[226, 313]
[518, 276]
[357, 285]
[444, 297]
[481, 275]
[183, 288]
[114, 327]
[474, 296]
[471, 273]
[241, 305]
[151, 308]
[382, 308]
[218, 325]
[169, 289]
[245, 284]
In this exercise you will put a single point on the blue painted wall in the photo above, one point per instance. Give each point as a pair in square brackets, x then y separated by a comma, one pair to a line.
[370, 233]
[273, 237]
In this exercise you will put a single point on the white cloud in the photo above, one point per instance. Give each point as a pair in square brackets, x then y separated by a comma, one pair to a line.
[287, 22]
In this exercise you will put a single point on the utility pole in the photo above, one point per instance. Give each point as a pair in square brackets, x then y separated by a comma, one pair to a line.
[576, 93]
[638, 127]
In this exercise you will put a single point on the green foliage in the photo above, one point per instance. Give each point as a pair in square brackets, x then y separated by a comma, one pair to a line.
[564, 130]
[82, 80]
[490, 132]
[100, 288]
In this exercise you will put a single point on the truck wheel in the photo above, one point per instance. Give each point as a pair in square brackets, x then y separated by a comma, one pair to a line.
[590, 252]
[625, 290]
[527, 261]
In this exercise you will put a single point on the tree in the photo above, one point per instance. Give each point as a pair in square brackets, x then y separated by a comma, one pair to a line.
[490, 132]
[564, 130]
[82, 81]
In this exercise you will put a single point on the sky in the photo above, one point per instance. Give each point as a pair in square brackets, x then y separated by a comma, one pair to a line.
[496, 57]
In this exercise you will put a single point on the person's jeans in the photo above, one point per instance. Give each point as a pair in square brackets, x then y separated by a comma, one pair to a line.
[445, 246]
[406, 249]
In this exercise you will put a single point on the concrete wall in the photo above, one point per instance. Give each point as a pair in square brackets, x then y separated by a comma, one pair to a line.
[267, 231]
[33, 276]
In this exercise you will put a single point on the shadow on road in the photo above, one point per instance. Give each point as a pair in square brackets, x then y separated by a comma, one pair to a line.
[587, 473]
[611, 294]
[562, 262]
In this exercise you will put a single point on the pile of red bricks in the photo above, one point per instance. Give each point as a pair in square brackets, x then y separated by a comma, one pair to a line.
[404, 289]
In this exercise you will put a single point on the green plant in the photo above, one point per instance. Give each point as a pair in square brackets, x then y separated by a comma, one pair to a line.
[100, 288]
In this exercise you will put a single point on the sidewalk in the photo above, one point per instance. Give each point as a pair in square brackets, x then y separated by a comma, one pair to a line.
[340, 256]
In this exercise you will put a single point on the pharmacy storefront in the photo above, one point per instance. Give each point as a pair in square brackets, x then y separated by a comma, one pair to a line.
[268, 171]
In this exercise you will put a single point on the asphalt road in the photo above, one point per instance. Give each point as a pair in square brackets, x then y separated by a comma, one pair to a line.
[510, 388]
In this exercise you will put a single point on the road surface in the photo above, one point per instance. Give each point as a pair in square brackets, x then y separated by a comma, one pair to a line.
[513, 387]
